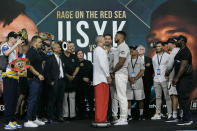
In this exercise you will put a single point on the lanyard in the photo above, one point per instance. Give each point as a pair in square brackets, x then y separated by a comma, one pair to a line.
[133, 65]
[159, 61]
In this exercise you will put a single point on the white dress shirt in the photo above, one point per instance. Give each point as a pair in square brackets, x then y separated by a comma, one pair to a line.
[59, 62]
[164, 58]
[100, 66]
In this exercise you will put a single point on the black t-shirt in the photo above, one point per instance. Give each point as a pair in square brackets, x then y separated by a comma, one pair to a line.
[86, 70]
[70, 63]
[35, 60]
[183, 54]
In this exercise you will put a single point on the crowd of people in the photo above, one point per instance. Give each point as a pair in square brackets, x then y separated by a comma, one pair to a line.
[59, 82]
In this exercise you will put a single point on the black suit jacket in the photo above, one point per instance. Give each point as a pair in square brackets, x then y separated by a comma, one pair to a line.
[52, 69]
[148, 73]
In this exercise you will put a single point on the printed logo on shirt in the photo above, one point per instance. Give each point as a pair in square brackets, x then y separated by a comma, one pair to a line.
[122, 52]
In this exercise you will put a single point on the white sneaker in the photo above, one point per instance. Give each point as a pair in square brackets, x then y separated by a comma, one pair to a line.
[156, 117]
[30, 124]
[38, 122]
[121, 122]
[169, 116]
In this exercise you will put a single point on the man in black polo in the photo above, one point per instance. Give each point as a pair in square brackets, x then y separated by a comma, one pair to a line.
[34, 76]
[71, 68]
[183, 79]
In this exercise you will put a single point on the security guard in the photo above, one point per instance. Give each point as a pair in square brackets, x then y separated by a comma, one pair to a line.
[84, 89]
[183, 79]
[71, 68]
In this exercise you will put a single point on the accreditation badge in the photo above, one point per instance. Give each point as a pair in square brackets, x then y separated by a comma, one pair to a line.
[193, 105]
[19, 64]
[73, 60]
[133, 74]
[158, 71]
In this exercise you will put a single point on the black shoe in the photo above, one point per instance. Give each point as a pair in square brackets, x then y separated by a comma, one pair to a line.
[185, 123]
[129, 118]
[141, 117]
[50, 121]
[66, 119]
[72, 118]
[173, 120]
[60, 119]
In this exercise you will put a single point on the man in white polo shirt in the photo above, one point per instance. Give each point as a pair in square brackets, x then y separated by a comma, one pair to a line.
[121, 60]
[101, 78]
[160, 62]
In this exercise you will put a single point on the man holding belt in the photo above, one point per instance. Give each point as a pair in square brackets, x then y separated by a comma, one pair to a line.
[101, 78]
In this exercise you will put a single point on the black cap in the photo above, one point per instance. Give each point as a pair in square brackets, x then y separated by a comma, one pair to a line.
[12, 34]
[172, 40]
[133, 47]
[182, 38]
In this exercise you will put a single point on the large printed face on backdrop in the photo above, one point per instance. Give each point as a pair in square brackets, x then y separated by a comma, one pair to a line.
[171, 25]
[18, 23]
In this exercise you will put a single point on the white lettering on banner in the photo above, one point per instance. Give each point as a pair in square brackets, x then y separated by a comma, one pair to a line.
[60, 30]
[88, 56]
[83, 34]
[116, 28]
[68, 33]
[2, 107]
[99, 29]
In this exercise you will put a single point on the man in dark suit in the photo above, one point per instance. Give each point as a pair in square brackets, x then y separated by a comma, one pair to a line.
[147, 79]
[54, 73]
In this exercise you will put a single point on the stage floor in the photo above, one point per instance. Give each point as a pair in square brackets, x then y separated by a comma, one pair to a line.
[84, 125]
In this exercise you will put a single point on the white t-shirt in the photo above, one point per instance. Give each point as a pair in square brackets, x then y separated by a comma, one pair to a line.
[12, 56]
[122, 51]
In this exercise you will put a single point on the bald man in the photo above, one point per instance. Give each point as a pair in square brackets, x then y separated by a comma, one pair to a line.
[55, 74]
[101, 78]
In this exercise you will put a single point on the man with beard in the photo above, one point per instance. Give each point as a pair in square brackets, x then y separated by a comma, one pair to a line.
[160, 61]
[183, 79]
[113, 103]
[120, 71]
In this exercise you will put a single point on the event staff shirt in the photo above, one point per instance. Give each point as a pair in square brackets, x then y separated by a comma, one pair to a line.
[160, 62]
[136, 65]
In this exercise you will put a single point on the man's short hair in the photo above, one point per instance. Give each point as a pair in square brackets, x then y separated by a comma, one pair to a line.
[108, 35]
[34, 38]
[98, 39]
[122, 33]
[12, 34]
[182, 8]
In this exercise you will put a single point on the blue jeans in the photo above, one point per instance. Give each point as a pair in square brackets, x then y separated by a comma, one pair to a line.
[34, 94]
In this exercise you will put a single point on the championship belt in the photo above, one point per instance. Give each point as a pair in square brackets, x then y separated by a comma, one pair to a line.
[20, 64]
[44, 35]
